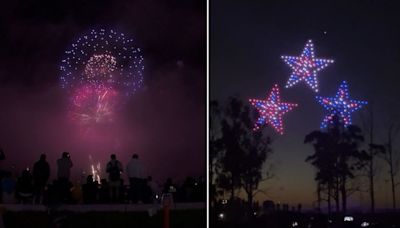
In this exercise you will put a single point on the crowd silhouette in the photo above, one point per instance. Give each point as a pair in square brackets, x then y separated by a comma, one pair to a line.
[34, 186]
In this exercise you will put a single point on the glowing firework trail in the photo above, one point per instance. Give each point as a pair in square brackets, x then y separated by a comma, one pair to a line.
[96, 170]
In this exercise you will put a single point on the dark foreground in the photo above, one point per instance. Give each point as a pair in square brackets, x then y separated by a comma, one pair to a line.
[178, 219]
[283, 219]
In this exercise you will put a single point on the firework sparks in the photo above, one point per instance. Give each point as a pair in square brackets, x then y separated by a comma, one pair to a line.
[103, 57]
[95, 170]
[93, 104]
[100, 67]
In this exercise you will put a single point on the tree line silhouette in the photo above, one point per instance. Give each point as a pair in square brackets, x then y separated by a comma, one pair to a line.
[340, 155]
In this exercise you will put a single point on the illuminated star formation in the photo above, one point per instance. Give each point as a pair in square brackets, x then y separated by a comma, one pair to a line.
[305, 67]
[103, 57]
[340, 106]
[271, 110]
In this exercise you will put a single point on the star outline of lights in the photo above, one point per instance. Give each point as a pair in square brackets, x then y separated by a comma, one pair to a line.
[305, 67]
[340, 105]
[271, 110]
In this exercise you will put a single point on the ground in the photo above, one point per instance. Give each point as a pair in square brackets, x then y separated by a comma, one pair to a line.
[178, 219]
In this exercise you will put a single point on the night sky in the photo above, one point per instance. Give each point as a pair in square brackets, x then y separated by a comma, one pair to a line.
[164, 122]
[246, 42]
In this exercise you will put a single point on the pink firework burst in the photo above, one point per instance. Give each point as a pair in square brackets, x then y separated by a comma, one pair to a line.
[93, 104]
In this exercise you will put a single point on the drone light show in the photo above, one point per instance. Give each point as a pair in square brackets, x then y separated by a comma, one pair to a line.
[271, 110]
[340, 106]
[305, 67]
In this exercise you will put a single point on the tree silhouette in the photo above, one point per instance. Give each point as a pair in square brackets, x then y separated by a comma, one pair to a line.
[391, 157]
[215, 147]
[337, 156]
[391, 160]
[374, 150]
[324, 159]
[257, 151]
[244, 151]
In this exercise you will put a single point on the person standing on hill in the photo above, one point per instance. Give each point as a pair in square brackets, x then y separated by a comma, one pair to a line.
[41, 174]
[114, 169]
[64, 165]
[135, 173]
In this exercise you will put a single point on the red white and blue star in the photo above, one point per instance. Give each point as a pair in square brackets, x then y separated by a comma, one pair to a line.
[271, 110]
[305, 67]
[340, 106]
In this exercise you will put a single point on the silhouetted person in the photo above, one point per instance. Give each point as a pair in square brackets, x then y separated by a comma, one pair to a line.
[147, 196]
[169, 187]
[76, 193]
[155, 192]
[299, 207]
[2, 172]
[89, 190]
[122, 190]
[200, 187]
[2, 155]
[8, 187]
[41, 174]
[187, 190]
[64, 165]
[104, 192]
[24, 187]
[114, 169]
[53, 195]
[134, 170]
